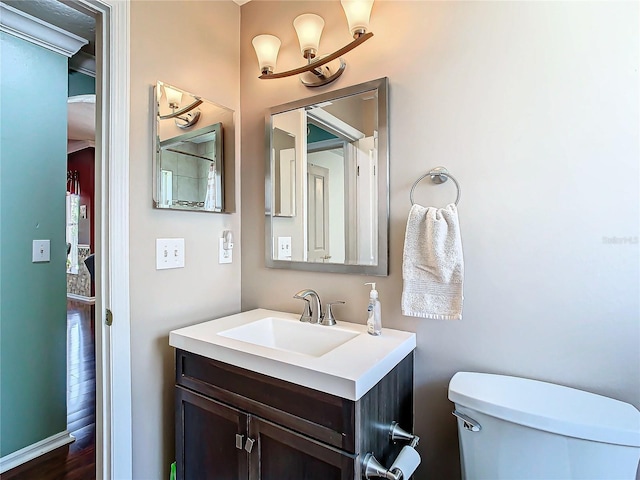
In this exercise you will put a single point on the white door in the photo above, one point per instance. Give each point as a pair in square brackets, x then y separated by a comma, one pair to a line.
[367, 201]
[318, 213]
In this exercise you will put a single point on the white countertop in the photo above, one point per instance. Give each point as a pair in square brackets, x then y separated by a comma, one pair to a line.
[348, 371]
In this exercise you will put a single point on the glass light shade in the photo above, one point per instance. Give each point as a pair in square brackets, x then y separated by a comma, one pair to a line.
[358, 13]
[266, 47]
[174, 97]
[309, 28]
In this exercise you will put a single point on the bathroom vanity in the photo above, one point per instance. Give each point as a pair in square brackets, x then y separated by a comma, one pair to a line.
[249, 411]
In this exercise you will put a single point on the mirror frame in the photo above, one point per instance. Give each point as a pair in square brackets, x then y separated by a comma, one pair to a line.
[382, 268]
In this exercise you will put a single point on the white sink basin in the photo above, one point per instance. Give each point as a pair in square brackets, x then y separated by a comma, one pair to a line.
[298, 337]
[342, 360]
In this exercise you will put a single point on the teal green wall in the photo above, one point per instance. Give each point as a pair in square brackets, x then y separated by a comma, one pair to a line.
[81, 84]
[317, 134]
[33, 126]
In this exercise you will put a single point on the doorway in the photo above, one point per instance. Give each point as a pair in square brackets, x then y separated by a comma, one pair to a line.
[81, 201]
[113, 399]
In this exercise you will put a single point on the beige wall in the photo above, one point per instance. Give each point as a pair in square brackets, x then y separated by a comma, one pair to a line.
[194, 46]
[533, 106]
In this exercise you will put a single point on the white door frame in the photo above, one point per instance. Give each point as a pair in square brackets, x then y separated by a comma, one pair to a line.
[113, 346]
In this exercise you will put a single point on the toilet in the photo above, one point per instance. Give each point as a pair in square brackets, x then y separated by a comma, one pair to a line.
[515, 429]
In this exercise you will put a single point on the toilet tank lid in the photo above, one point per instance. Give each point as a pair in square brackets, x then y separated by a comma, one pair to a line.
[548, 407]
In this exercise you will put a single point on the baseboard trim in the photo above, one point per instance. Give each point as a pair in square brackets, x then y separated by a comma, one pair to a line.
[30, 452]
[81, 298]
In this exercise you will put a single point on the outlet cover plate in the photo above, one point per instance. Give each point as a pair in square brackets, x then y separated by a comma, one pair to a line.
[224, 256]
[169, 253]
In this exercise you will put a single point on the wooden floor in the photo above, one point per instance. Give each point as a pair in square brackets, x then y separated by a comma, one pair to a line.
[78, 463]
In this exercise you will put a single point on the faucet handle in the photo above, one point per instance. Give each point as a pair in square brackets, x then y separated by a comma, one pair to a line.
[329, 319]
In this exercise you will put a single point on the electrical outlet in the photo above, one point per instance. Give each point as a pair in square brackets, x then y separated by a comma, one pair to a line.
[169, 253]
[224, 256]
[41, 251]
[284, 248]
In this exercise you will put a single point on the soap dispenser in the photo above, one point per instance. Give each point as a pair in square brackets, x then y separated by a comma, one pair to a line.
[374, 320]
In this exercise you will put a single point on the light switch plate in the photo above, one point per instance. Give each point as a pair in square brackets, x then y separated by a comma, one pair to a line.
[41, 251]
[224, 256]
[169, 253]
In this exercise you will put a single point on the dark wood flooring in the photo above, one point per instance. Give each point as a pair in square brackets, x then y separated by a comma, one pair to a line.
[78, 461]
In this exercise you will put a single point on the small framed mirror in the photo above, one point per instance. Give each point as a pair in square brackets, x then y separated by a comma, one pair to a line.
[327, 183]
[191, 145]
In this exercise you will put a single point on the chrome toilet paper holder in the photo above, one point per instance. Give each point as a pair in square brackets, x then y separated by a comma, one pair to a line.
[396, 433]
[372, 468]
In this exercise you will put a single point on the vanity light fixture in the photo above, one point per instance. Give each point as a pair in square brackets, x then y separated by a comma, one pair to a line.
[184, 117]
[309, 27]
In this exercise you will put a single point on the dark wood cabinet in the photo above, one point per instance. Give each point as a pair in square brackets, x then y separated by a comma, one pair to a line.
[233, 423]
[287, 455]
[207, 433]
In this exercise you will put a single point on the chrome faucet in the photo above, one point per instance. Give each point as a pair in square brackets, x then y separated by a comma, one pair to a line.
[312, 314]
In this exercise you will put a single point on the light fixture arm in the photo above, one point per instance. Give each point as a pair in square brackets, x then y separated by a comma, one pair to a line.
[318, 62]
[182, 111]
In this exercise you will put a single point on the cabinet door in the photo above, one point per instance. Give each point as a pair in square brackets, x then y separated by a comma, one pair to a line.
[208, 445]
[281, 454]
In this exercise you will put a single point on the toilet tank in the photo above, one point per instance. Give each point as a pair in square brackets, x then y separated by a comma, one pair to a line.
[526, 429]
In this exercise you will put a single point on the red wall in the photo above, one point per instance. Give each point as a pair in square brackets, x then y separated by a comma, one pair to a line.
[83, 162]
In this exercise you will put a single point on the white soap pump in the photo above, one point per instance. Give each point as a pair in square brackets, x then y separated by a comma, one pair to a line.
[374, 320]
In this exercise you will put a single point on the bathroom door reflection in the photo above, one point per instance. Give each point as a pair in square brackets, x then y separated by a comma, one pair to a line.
[318, 213]
[284, 175]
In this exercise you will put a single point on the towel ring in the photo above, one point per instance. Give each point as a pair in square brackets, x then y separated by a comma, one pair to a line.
[438, 175]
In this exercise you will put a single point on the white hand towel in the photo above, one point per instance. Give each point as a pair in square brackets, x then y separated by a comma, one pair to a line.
[432, 265]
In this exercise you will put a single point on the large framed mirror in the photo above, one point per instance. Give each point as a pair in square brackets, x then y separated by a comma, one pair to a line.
[327, 182]
[194, 141]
